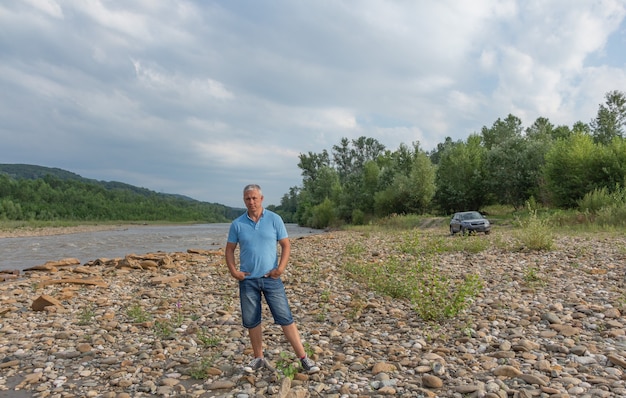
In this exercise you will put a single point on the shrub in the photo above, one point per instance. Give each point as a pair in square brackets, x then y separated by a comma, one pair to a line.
[358, 217]
[323, 215]
[535, 233]
[434, 296]
[595, 200]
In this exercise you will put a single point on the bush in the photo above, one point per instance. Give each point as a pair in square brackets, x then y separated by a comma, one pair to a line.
[358, 217]
[535, 233]
[595, 200]
[323, 215]
[434, 296]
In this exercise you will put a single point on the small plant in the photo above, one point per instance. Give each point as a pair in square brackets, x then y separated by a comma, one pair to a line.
[355, 249]
[437, 297]
[621, 302]
[200, 371]
[532, 277]
[163, 329]
[86, 316]
[228, 302]
[325, 296]
[434, 295]
[206, 340]
[535, 233]
[308, 349]
[357, 304]
[137, 314]
[179, 318]
[286, 365]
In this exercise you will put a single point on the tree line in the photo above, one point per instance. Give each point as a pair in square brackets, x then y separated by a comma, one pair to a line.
[507, 164]
[53, 198]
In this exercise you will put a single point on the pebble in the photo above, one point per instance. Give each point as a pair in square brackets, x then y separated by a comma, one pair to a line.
[168, 324]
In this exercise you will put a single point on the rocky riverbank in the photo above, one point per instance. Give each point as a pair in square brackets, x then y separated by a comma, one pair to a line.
[546, 324]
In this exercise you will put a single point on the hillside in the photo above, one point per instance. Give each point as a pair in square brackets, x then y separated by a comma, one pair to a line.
[44, 193]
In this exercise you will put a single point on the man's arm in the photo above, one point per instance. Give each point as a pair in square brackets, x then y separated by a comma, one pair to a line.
[285, 251]
[230, 262]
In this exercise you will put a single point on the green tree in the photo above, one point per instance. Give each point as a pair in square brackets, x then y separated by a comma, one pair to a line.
[460, 177]
[501, 131]
[435, 154]
[611, 118]
[351, 156]
[513, 168]
[541, 130]
[569, 169]
[410, 192]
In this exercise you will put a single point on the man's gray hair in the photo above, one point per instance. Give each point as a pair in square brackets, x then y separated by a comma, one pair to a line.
[252, 187]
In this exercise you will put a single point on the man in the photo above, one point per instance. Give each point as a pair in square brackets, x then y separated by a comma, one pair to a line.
[260, 268]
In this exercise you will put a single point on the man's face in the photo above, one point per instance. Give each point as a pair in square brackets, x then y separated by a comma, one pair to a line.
[253, 199]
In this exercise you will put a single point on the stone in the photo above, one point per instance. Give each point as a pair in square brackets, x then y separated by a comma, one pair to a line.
[432, 381]
[44, 301]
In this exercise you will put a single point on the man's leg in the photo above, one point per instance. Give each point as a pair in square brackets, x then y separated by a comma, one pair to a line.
[256, 339]
[293, 337]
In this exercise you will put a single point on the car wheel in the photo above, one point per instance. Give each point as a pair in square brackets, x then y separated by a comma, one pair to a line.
[487, 232]
[451, 230]
[463, 231]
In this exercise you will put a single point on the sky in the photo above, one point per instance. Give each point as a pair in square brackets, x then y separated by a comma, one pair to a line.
[200, 98]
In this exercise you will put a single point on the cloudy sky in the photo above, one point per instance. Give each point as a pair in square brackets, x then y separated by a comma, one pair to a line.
[202, 97]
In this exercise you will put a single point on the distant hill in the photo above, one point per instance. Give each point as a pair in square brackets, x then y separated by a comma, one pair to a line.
[114, 191]
[32, 172]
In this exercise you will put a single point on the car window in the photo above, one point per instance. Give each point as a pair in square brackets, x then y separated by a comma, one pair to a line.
[471, 216]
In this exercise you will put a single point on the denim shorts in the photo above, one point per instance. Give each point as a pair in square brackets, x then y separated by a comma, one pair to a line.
[250, 291]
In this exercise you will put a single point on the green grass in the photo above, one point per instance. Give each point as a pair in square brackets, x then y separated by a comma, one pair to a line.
[87, 315]
[137, 314]
[433, 294]
[200, 370]
[535, 233]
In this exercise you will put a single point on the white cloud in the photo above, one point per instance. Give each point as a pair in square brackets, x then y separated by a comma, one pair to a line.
[186, 94]
[49, 7]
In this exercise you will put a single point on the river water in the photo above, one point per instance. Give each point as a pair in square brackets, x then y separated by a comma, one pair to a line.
[26, 252]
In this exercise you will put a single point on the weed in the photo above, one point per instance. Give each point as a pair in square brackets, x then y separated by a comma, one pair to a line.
[163, 329]
[357, 304]
[200, 371]
[434, 296]
[228, 302]
[308, 349]
[178, 319]
[532, 277]
[354, 249]
[86, 316]
[621, 302]
[206, 340]
[137, 314]
[535, 233]
[286, 365]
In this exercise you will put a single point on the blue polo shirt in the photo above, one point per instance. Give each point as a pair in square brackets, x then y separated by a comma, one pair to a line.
[258, 253]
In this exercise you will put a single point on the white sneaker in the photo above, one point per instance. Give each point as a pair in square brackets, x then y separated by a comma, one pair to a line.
[255, 364]
[308, 365]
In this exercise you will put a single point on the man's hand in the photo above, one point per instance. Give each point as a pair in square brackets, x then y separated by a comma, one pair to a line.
[239, 275]
[275, 273]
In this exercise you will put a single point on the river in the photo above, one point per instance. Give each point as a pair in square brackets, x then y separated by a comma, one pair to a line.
[26, 252]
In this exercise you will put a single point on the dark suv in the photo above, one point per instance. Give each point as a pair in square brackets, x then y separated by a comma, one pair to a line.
[468, 222]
